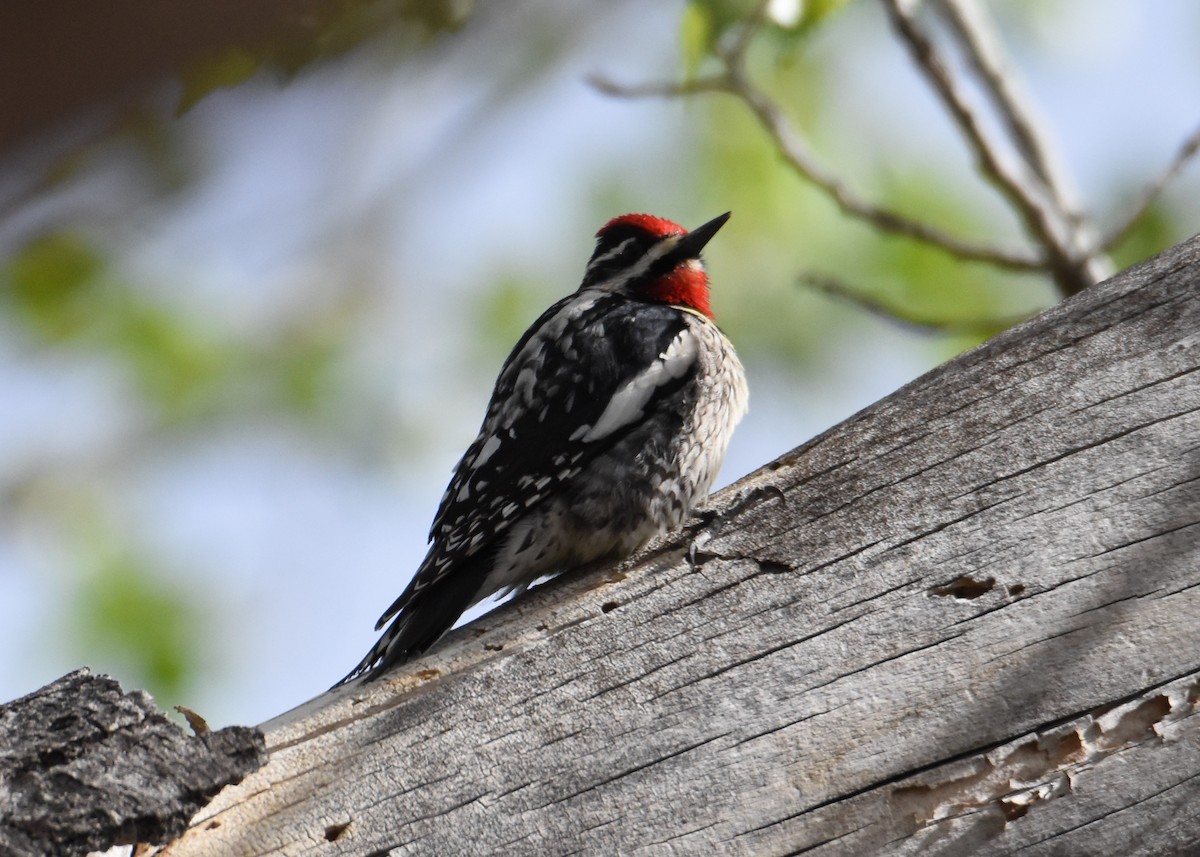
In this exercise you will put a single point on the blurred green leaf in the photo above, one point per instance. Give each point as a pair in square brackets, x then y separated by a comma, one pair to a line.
[178, 366]
[49, 284]
[925, 283]
[125, 611]
[236, 65]
[339, 26]
[695, 37]
[303, 363]
[505, 311]
[57, 288]
[703, 24]
[321, 30]
[814, 13]
[929, 283]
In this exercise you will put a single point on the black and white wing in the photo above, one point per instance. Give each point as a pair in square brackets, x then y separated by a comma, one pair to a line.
[583, 377]
[585, 374]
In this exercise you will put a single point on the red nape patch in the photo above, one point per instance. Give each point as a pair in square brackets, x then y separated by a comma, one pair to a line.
[687, 286]
[656, 226]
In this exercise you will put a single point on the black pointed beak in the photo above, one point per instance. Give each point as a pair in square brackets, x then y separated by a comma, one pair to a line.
[690, 245]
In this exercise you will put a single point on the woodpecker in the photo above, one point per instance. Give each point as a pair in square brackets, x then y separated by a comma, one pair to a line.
[607, 425]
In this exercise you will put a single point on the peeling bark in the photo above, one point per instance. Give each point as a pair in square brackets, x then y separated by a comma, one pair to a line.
[84, 767]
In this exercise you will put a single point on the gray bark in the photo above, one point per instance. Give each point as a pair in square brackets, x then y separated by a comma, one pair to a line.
[84, 766]
[962, 622]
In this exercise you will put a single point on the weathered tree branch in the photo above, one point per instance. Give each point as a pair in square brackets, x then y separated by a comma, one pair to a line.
[961, 622]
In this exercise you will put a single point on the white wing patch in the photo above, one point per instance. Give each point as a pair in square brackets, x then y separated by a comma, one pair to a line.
[489, 449]
[627, 404]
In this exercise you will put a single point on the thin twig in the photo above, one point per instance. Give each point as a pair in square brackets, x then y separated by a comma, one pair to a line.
[658, 89]
[837, 288]
[799, 157]
[1043, 223]
[977, 39]
[796, 153]
[970, 25]
[735, 54]
[1187, 151]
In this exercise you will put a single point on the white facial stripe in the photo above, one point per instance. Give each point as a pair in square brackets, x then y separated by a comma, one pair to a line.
[627, 404]
[643, 264]
[616, 251]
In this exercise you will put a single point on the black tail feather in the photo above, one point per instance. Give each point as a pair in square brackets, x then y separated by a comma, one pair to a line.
[424, 619]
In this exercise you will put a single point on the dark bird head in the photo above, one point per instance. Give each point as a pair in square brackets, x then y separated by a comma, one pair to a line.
[653, 259]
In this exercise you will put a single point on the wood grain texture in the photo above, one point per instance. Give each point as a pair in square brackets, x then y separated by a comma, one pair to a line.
[962, 622]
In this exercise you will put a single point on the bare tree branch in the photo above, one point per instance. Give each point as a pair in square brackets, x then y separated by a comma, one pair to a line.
[1035, 186]
[1186, 152]
[795, 151]
[1032, 202]
[658, 89]
[973, 30]
[735, 54]
[835, 287]
[970, 25]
